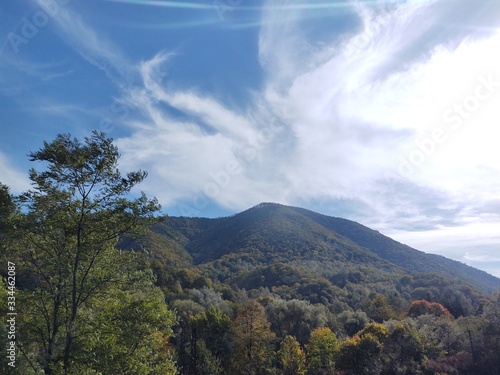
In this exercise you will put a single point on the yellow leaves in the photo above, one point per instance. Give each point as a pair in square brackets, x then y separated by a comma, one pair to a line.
[322, 349]
[253, 337]
[291, 357]
[376, 330]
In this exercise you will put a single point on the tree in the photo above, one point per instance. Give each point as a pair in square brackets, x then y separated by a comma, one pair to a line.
[377, 330]
[67, 231]
[403, 349]
[208, 363]
[291, 357]
[7, 206]
[253, 338]
[490, 360]
[423, 307]
[203, 337]
[353, 321]
[440, 335]
[322, 350]
[213, 326]
[7, 210]
[379, 308]
[128, 333]
[296, 318]
[360, 355]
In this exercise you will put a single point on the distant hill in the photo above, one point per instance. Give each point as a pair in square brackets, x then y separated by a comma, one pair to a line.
[243, 248]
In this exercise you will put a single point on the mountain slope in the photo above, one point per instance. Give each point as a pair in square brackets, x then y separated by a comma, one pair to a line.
[323, 246]
[410, 259]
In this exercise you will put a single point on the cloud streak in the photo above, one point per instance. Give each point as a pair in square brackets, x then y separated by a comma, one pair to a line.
[88, 43]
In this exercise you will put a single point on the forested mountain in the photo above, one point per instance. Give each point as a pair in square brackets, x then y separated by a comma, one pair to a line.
[108, 285]
[283, 290]
[268, 234]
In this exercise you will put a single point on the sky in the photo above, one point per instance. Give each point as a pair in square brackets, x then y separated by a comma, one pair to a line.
[382, 112]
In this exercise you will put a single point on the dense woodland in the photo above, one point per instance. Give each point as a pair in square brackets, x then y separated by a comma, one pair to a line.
[105, 283]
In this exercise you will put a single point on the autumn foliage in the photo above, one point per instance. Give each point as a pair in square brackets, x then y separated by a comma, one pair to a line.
[423, 307]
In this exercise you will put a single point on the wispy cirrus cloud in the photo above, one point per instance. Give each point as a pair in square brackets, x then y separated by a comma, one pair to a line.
[91, 45]
[212, 152]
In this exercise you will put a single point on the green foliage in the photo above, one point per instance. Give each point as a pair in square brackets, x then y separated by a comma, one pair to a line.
[379, 309]
[376, 330]
[310, 271]
[322, 350]
[207, 363]
[353, 321]
[7, 207]
[160, 249]
[213, 328]
[291, 357]
[403, 349]
[4, 341]
[8, 214]
[127, 333]
[361, 354]
[65, 237]
[296, 318]
[440, 335]
[298, 254]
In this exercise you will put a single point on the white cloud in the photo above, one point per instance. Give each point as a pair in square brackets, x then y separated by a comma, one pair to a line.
[12, 177]
[486, 258]
[215, 153]
[346, 116]
[332, 122]
[87, 42]
[476, 243]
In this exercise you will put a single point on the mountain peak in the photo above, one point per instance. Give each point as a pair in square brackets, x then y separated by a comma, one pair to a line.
[271, 233]
[266, 205]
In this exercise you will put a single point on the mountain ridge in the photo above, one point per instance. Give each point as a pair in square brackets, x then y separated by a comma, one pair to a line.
[271, 233]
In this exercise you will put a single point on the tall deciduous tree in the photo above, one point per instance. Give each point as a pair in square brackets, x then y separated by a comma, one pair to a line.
[361, 353]
[291, 357]
[491, 333]
[322, 351]
[253, 337]
[403, 349]
[70, 222]
[296, 318]
[213, 326]
[127, 332]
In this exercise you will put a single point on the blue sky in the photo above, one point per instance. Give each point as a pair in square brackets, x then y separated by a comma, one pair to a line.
[383, 112]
